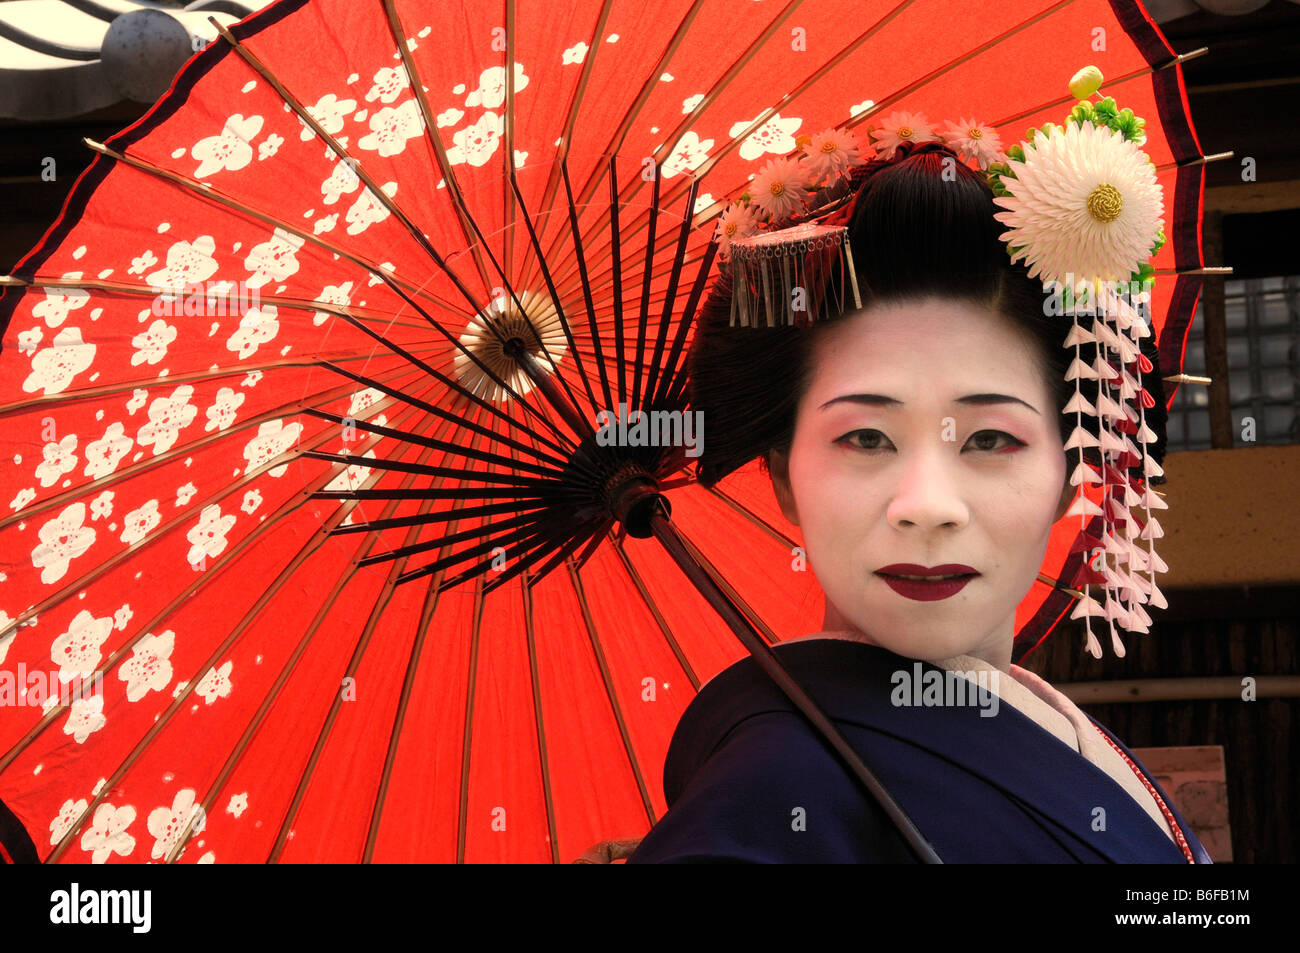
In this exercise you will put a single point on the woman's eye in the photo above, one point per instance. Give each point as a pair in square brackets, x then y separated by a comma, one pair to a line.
[988, 440]
[865, 440]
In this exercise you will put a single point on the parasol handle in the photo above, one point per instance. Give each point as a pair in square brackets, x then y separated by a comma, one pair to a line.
[664, 531]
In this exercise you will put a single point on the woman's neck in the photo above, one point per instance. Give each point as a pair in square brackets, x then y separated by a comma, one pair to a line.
[996, 650]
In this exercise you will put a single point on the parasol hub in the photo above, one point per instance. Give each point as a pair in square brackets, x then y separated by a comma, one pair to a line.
[528, 322]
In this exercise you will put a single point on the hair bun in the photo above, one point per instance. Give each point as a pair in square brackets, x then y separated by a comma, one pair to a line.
[902, 152]
[859, 176]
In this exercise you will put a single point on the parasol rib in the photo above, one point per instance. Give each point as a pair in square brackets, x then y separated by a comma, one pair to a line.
[125, 473]
[467, 737]
[571, 113]
[726, 79]
[539, 722]
[524, 538]
[358, 653]
[217, 198]
[652, 79]
[286, 825]
[121, 387]
[148, 291]
[740, 508]
[954, 63]
[1206, 271]
[444, 516]
[435, 144]
[181, 699]
[427, 611]
[670, 299]
[508, 142]
[387, 201]
[254, 63]
[675, 135]
[755, 620]
[153, 537]
[483, 456]
[521, 524]
[562, 553]
[434, 409]
[704, 168]
[408, 683]
[233, 759]
[646, 278]
[381, 463]
[664, 629]
[526, 591]
[587, 294]
[555, 299]
[616, 260]
[1126, 77]
[576, 579]
[675, 383]
[1199, 160]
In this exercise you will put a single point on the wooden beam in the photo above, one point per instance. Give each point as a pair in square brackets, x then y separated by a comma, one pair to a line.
[1177, 689]
[1252, 197]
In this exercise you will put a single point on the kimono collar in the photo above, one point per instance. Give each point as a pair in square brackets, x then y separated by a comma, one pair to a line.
[853, 683]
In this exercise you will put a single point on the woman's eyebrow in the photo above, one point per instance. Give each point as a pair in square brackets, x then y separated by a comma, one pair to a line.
[880, 400]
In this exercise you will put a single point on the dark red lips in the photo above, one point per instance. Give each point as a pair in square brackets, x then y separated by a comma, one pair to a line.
[912, 569]
[926, 590]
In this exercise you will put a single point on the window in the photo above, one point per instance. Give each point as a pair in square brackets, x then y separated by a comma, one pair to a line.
[1263, 334]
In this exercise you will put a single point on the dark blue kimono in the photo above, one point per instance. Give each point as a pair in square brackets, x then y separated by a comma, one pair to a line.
[747, 779]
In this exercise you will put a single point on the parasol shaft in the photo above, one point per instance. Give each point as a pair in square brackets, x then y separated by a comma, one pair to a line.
[663, 531]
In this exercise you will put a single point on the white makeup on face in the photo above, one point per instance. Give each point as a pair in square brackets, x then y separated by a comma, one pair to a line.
[927, 435]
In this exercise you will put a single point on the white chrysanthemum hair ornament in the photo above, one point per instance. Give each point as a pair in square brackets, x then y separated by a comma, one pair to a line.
[1082, 209]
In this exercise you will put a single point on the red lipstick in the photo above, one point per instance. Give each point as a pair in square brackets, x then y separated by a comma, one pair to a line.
[926, 590]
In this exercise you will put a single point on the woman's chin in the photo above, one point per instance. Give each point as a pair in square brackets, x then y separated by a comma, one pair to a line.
[920, 641]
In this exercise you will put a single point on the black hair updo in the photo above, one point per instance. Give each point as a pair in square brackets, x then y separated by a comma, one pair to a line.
[919, 227]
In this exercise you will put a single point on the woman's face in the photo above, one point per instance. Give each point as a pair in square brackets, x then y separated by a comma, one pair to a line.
[927, 435]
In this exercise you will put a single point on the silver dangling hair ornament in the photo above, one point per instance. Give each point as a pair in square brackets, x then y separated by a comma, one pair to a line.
[793, 277]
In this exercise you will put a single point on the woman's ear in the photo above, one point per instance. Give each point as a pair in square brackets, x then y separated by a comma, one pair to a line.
[778, 465]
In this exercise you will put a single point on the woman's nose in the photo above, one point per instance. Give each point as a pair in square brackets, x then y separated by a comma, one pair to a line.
[928, 492]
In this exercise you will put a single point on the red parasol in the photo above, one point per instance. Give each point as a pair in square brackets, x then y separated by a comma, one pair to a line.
[331, 524]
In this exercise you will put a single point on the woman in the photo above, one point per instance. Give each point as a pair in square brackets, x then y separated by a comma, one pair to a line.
[922, 434]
